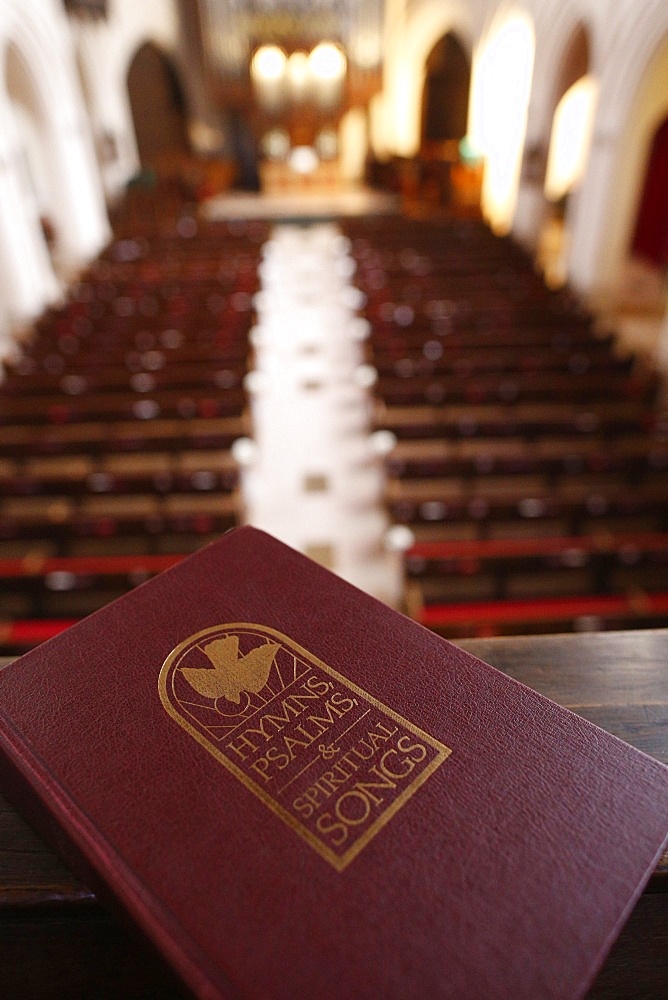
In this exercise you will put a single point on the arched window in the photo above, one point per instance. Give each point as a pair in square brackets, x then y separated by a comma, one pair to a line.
[574, 101]
[502, 77]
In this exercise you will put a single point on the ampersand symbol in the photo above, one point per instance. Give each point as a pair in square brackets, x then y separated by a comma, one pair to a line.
[327, 752]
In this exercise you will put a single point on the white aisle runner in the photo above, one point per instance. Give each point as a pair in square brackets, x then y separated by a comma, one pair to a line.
[313, 476]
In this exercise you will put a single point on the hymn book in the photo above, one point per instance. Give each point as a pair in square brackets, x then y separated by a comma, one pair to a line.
[295, 791]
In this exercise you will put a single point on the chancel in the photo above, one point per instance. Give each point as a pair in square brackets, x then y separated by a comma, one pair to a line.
[385, 279]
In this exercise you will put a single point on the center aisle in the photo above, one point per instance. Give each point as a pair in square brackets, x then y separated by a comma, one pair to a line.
[313, 473]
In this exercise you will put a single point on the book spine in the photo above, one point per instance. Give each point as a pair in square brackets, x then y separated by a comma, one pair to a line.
[35, 797]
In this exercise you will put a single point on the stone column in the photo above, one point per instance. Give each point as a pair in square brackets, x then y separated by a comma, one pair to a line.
[80, 215]
[530, 210]
[27, 280]
[588, 266]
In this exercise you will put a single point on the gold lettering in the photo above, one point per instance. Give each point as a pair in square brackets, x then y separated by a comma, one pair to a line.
[419, 749]
[290, 708]
[343, 704]
[291, 742]
[297, 699]
[312, 794]
[327, 824]
[331, 780]
[303, 806]
[280, 721]
[376, 739]
[326, 786]
[394, 774]
[366, 786]
[261, 767]
[353, 798]
[333, 709]
[319, 687]
[300, 729]
[243, 744]
[351, 763]
[273, 756]
[359, 753]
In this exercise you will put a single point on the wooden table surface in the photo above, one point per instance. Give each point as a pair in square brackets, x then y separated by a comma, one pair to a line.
[57, 942]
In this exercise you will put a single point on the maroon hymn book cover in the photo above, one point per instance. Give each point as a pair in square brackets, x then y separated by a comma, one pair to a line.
[297, 792]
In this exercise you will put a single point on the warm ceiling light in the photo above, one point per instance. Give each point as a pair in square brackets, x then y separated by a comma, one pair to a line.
[276, 144]
[303, 159]
[298, 69]
[327, 62]
[268, 63]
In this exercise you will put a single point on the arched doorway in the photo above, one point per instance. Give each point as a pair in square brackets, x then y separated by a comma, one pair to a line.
[158, 109]
[445, 99]
[409, 42]
[445, 105]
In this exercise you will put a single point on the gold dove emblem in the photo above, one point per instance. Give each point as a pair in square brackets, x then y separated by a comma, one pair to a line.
[232, 673]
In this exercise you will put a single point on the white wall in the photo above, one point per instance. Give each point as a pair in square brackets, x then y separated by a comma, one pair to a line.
[44, 117]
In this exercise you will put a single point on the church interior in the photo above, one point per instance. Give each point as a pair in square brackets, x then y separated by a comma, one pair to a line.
[385, 279]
